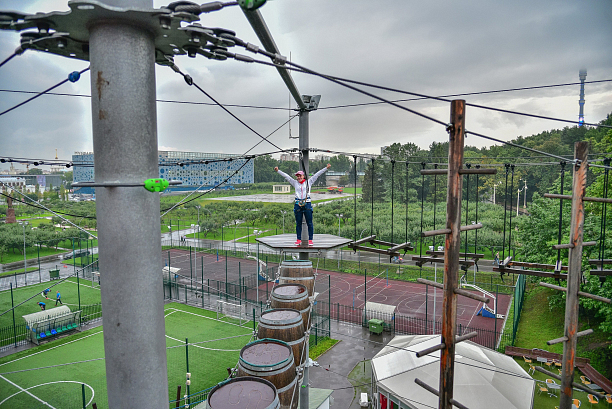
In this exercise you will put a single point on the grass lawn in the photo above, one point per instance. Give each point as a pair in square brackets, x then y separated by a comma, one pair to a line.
[61, 386]
[68, 289]
[360, 377]
[31, 254]
[322, 347]
[18, 271]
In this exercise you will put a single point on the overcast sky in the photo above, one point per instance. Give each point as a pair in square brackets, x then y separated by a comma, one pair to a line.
[430, 47]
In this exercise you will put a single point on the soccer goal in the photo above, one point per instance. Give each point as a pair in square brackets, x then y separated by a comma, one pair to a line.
[231, 310]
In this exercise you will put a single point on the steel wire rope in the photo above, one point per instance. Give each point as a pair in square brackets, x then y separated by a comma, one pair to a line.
[339, 82]
[70, 78]
[464, 94]
[503, 372]
[51, 286]
[344, 82]
[335, 106]
[367, 384]
[101, 359]
[189, 80]
[559, 234]
[602, 230]
[39, 206]
[49, 210]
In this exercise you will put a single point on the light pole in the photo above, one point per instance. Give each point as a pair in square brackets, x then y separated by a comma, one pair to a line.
[283, 212]
[339, 216]
[494, 187]
[25, 260]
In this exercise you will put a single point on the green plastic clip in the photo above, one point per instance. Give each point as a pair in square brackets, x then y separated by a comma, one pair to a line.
[156, 184]
[251, 4]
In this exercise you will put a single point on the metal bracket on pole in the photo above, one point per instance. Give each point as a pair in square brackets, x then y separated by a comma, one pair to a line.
[67, 33]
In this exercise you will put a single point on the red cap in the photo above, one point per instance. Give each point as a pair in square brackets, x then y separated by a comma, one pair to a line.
[299, 172]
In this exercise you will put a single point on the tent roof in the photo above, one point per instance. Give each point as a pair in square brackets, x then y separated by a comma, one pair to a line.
[46, 314]
[482, 376]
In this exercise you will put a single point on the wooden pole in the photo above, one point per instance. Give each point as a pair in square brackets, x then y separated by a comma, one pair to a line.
[574, 273]
[451, 253]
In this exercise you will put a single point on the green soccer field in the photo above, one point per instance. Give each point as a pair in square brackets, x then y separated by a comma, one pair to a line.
[68, 289]
[56, 371]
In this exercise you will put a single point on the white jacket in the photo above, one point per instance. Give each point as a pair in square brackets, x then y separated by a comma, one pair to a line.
[302, 190]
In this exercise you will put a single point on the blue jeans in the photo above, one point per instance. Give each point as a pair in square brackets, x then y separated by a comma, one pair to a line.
[306, 211]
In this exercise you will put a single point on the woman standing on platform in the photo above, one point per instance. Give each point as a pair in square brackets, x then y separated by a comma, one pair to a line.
[302, 206]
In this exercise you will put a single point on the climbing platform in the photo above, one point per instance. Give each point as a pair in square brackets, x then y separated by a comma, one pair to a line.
[285, 243]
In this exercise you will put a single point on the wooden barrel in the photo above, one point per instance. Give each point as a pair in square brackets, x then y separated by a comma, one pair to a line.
[247, 392]
[272, 359]
[293, 296]
[286, 325]
[298, 272]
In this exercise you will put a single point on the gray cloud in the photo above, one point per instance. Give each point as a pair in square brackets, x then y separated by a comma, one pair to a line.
[430, 47]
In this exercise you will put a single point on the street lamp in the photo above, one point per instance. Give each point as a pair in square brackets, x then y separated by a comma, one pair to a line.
[339, 216]
[25, 260]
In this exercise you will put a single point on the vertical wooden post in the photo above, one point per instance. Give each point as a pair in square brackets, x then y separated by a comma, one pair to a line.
[451, 253]
[574, 273]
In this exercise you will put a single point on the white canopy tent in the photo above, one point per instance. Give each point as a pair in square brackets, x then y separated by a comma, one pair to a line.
[483, 377]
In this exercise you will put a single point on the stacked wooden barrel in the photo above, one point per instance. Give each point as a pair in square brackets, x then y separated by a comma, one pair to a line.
[272, 360]
[281, 347]
[286, 325]
[293, 296]
[246, 392]
[298, 272]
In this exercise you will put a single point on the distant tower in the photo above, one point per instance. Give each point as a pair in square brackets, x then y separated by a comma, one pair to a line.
[582, 74]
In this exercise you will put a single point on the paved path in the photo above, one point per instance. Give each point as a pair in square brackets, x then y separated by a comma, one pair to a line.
[342, 358]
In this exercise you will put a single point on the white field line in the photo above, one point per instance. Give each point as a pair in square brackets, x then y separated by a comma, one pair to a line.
[209, 349]
[46, 350]
[28, 392]
[93, 393]
[203, 316]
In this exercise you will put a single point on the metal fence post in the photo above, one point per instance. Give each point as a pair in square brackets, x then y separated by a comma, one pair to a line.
[187, 365]
[13, 309]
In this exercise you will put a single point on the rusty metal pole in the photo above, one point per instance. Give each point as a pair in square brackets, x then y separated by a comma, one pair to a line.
[451, 253]
[574, 273]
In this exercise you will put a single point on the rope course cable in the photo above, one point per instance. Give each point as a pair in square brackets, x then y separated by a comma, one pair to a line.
[18, 51]
[189, 80]
[72, 77]
[282, 63]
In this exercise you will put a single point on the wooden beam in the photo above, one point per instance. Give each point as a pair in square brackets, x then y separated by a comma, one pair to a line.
[586, 199]
[365, 239]
[383, 243]
[530, 272]
[598, 262]
[402, 246]
[580, 293]
[574, 384]
[471, 227]
[574, 275]
[375, 250]
[470, 255]
[438, 232]
[563, 339]
[424, 260]
[536, 265]
[451, 252]
[601, 273]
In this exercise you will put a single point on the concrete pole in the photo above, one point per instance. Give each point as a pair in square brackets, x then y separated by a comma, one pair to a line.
[125, 150]
[303, 146]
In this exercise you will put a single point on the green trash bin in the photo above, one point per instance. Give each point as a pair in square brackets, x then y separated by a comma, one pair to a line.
[54, 274]
[376, 326]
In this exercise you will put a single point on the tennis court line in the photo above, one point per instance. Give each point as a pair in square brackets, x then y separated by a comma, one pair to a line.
[57, 346]
[28, 392]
